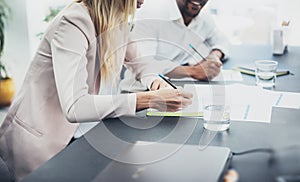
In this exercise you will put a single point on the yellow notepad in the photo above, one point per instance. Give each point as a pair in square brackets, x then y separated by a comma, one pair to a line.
[152, 112]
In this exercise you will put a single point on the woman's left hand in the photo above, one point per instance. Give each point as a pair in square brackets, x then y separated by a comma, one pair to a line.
[159, 84]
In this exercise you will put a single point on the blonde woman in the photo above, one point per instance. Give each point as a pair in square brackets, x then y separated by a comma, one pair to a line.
[63, 81]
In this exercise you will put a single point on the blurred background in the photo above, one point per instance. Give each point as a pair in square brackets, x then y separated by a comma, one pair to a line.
[244, 22]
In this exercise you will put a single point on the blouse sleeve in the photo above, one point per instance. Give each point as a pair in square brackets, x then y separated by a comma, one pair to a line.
[69, 48]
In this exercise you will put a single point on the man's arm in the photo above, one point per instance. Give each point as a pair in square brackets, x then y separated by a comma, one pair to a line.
[215, 38]
[205, 70]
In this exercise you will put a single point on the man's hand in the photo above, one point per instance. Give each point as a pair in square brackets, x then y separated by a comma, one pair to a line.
[204, 70]
[207, 70]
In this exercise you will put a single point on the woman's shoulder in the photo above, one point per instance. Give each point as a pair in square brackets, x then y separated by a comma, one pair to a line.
[77, 12]
[78, 15]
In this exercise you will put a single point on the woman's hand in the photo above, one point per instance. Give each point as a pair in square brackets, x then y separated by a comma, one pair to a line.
[139, 3]
[169, 100]
[159, 84]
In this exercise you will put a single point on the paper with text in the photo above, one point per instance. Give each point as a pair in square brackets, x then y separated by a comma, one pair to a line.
[247, 103]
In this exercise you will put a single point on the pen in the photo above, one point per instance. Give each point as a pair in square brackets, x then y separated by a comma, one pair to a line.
[249, 71]
[132, 27]
[191, 46]
[281, 73]
[170, 83]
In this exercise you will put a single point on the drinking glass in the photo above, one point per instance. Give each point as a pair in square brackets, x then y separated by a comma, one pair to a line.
[216, 113]
[265, 73]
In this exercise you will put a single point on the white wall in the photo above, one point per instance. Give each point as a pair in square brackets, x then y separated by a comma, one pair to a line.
[16, 50]
[251, 21]
[21, 39]
[27, 20]
[289, 10]
[36, 12]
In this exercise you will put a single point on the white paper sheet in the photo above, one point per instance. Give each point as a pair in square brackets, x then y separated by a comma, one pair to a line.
[247, 103]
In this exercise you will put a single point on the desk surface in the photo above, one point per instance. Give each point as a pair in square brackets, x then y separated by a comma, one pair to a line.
[81, 162]
[246, 55]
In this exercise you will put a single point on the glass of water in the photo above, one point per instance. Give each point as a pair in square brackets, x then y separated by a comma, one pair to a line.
[216, 113]
[265, 73]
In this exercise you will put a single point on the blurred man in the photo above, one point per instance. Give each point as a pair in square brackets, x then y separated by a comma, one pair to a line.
[163, 32]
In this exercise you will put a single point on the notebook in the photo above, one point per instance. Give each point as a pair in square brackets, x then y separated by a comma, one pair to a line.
[187, 163]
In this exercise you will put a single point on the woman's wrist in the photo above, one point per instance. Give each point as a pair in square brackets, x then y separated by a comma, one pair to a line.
[143, 100]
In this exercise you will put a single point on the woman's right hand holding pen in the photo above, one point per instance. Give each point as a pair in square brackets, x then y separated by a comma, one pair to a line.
[169, 100]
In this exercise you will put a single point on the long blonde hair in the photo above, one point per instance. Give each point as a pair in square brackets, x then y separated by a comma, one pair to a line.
[107, 15]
